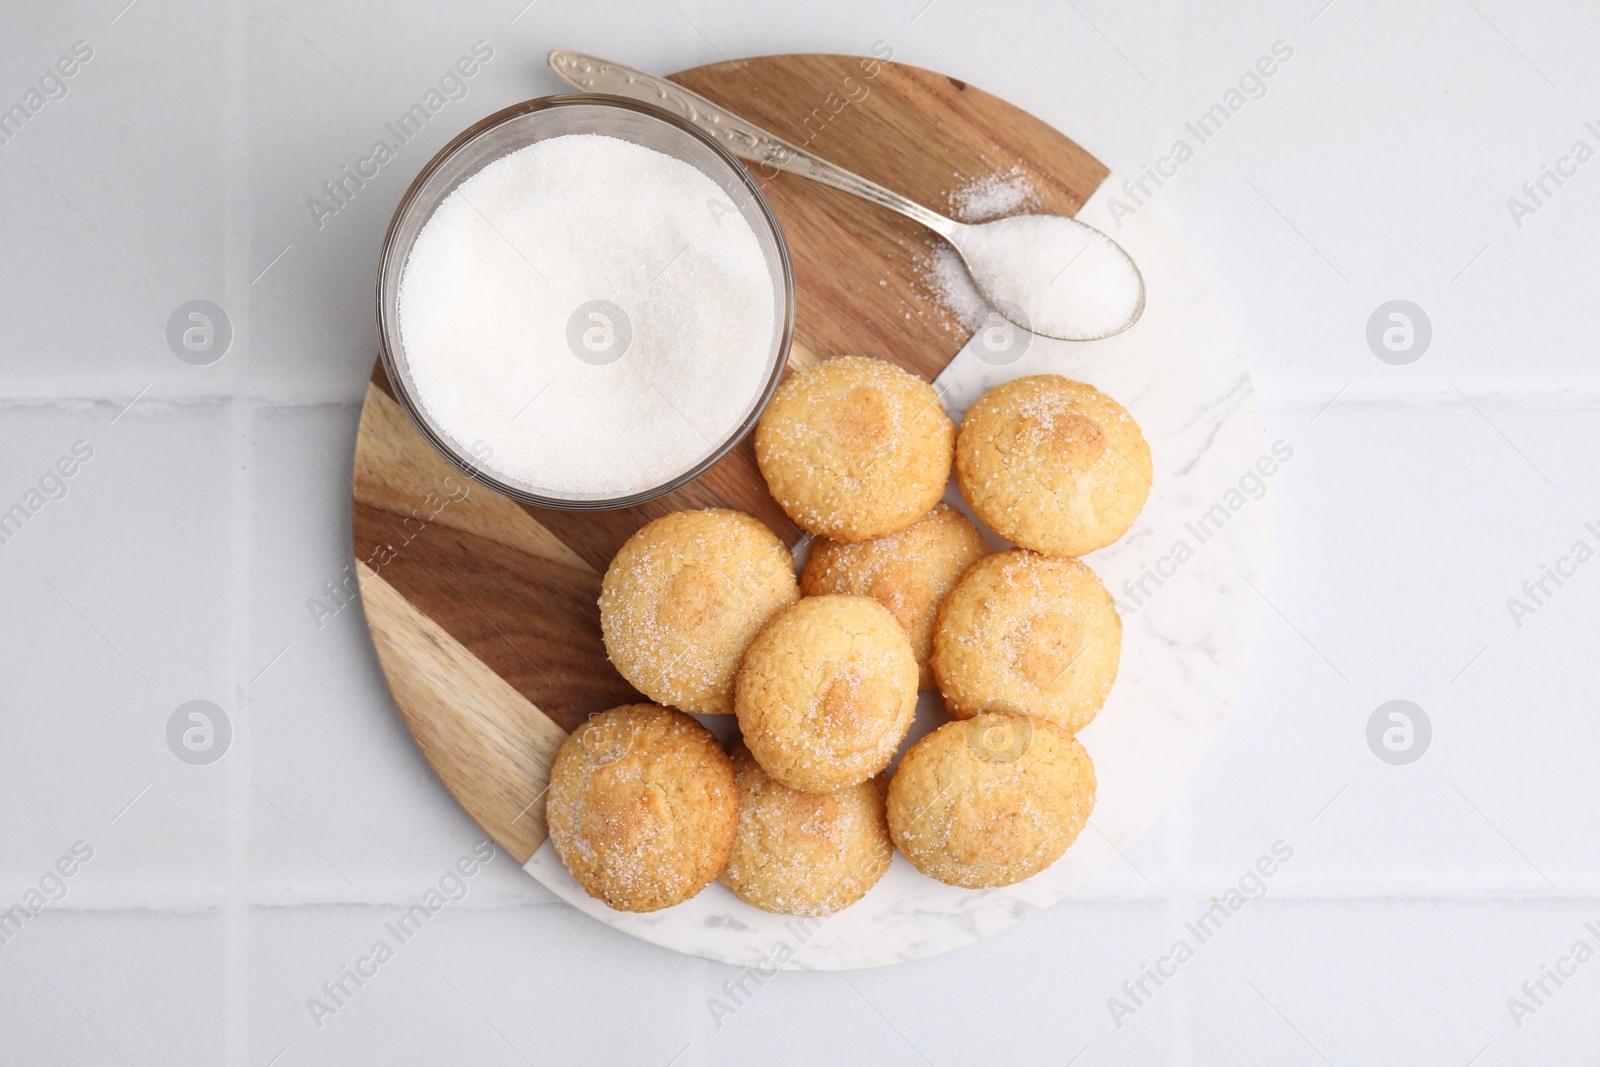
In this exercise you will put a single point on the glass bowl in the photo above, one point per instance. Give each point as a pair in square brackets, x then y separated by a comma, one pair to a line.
[517, 127]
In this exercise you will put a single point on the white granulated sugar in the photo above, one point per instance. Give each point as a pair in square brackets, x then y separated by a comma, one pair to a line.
[498, 273]
[953, 287]
[1069, 280]
[993, 195]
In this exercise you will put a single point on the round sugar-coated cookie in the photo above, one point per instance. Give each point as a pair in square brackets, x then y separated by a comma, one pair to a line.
[990, 801]
[855, 448]
[805, 853]
[826, 692]
[1053, 464]
[683, 599]
[642, 807]
[907, 572]
[1028, 633]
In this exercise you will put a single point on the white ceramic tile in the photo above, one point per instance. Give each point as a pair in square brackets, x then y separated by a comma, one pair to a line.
[463, 976]
[115, 987]
[471, 972]
[119, 606]
[1400, 533]
[1382, 157]
[1376, 981]
[118, 198]
[1035, 993]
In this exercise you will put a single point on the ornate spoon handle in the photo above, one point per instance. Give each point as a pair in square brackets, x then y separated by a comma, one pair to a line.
[742, 138]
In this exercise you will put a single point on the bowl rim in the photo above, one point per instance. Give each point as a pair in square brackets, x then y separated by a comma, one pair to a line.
[392, 264]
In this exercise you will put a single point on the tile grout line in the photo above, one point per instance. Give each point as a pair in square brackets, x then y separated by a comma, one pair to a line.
[1572, 396]
[236, 1030]
[237, 899]
[1201, 891]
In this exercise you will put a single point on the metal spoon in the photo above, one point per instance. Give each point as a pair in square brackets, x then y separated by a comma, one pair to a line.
[1050, 274]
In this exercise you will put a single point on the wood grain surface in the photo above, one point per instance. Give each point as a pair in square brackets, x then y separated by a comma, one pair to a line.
[483, 609]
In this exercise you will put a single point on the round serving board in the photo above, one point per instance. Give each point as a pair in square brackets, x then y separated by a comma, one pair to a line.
[483, 610]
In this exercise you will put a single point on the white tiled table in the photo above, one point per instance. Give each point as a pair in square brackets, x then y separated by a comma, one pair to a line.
[180, 561]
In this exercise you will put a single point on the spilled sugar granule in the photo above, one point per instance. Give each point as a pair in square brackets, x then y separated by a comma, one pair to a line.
[992, 196]
[952, 286]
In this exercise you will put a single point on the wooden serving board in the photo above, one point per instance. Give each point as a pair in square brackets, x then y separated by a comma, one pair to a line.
[483, 610]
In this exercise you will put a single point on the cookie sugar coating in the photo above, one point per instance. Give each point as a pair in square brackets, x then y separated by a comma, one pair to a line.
[855, 448]
[805, 853]
[642, 807]
[990, 801]
[683, 599]
[826, 692]
[1028, 633]
[909, 573]
[1053, 464]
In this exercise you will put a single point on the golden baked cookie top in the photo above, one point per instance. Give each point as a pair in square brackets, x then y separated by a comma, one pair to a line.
[990, 801]
[642, 807]
[826, 692]
[683, 599]
[805, 853]
[1053, 464]
[855, 448]
[1028, 633]
[909, 573]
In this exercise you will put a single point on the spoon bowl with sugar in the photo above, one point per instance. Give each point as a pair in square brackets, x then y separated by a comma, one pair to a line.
[1050, 274]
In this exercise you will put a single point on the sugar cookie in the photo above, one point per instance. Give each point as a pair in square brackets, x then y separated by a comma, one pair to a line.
[683, 599]
[855, 448]
[805, 853]
[1053, 465]
[907, 572]
[990, 801]
[1028, 633]
[642, 807]
[826, 692]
